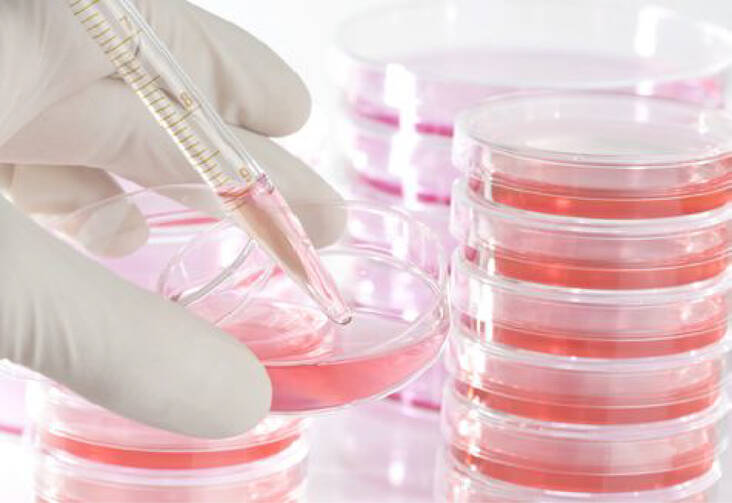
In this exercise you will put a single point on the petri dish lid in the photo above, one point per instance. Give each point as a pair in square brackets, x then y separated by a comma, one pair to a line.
[592, 129]
[63, 421]
[646, 42]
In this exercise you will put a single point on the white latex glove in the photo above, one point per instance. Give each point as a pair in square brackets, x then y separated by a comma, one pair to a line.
[66, 122]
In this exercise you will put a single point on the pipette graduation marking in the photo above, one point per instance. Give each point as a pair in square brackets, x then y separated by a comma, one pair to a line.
[248, 196]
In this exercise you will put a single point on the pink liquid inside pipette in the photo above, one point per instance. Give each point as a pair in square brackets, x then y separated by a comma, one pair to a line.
[261, 210]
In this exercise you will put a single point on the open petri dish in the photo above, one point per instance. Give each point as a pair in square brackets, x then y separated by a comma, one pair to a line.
[457, 484]
[596, 155]
[401, 163]
[417, 64]
[582, 458]
[609, 324]
[64, 422]
[62, 478]
[586, 390]
[391, 270]
[591, 253]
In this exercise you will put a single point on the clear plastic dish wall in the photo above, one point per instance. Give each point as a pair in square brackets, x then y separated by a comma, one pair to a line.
[417, 64]
[60, 478]
[614, 323]
[65, 423]
[392, 272]
[591, 253]
[596, 155]
[584, 390]
[583, 458]
[456, 484]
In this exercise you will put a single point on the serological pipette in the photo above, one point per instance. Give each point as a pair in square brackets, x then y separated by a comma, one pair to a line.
[248, 196]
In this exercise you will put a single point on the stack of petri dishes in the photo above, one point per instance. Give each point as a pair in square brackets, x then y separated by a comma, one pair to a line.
[89, 454]
[590, 298]
[403, 73]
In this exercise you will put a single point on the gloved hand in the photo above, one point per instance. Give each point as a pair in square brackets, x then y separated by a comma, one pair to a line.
[66, 123]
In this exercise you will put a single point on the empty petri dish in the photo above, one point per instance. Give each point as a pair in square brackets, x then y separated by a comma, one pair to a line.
[62, 478]
[417, 64]
[582, 458]
[407, 165]
[586, 390]
[591, 253]
[596, 155]
[390, 269]
[455, 483]
[67, 423]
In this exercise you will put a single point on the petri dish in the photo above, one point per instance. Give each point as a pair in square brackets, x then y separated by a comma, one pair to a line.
[582, 458]
[62, 478]
[390, 269]
[614, 323]
[431, 60]
[587, 390]
[398, 162]
[591, 253]
[596, 155]
[426, 391]
[64, 422]
[456, 484]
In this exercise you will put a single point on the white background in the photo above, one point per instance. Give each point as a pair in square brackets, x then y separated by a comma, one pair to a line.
[348, 464]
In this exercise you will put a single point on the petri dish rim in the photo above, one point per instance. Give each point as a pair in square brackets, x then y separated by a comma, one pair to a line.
[437, 285]
[54, 397]
[710, 416]
[658, 296]
[464, 132]
[376, 16]
[624, 229]
[508, 490]
[550, 361]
